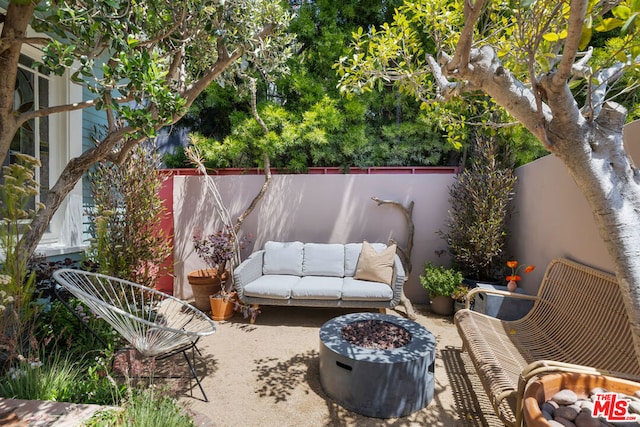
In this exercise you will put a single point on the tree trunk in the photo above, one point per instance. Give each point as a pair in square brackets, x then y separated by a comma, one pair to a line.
[594, 155]
[596, 160]
[14, 28]
[72, 173]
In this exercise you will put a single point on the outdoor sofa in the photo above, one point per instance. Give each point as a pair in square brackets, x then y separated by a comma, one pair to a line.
[321, 275]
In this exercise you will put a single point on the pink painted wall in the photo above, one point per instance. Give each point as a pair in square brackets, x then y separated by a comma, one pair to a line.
[552, 218]
[315, 208]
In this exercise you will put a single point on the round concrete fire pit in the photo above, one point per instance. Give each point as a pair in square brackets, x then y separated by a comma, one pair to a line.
[375, 382]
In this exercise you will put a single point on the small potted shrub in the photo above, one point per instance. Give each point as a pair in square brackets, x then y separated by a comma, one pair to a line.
[441, 283]
[216, 250]
[459, 297]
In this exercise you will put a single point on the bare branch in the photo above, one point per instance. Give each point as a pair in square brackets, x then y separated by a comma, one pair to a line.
[446, 89]
[460, 59]
[577, 12]
[580, 68]
[42, 112]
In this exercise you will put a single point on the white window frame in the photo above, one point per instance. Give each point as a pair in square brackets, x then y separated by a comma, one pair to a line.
[64, 234]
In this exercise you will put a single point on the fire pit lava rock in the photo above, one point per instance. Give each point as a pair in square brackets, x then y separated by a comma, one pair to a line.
[378, 382]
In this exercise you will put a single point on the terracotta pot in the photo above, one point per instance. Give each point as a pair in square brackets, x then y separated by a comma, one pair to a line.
[203, 284]
[442, 305]
[222, 306]
[544, 388]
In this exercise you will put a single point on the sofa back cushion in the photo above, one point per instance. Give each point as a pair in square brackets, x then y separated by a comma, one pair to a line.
[323, 259]
[283, 258]
[352, 253]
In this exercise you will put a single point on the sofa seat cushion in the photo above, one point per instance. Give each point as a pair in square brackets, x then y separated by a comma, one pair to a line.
[354, 289]
[283, 258]
[316, 287]
[275, 286]
[323, 259]
[352, 254]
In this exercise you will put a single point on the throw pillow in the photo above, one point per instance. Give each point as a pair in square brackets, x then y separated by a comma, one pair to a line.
[375, 266]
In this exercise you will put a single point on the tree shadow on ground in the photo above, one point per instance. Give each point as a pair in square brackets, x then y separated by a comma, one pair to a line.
[474, 409]
[278, 379]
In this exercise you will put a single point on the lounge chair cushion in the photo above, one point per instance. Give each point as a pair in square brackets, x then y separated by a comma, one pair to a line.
[323, 260]
[283, 258]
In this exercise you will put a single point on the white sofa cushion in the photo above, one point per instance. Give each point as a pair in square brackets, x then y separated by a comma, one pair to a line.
[323, 259]
[283, 258]
[316, 287]
[352, 253]
[354, 290]
[275, 286]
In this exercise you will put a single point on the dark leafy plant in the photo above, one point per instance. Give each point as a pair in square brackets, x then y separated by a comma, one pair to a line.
[215, 249]
[480, 201]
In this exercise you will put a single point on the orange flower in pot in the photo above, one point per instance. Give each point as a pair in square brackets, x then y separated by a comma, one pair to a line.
[514, 278]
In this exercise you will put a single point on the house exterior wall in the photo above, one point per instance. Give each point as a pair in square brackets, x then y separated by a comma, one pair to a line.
[552, 218]
[316, 208]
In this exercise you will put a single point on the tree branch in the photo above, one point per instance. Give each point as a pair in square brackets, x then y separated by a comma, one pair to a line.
[446, 89]
[42, 112]
[462, 54]
[577, 12]
[404, 252]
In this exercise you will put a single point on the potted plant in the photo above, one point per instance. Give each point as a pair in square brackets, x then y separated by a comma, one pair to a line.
[441, 283]
[216, 250]
[459, 296]
[480, 207]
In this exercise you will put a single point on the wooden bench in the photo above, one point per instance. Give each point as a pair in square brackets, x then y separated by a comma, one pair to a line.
[578, 323]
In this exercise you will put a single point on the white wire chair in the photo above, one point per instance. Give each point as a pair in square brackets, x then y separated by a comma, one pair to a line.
[156, 324]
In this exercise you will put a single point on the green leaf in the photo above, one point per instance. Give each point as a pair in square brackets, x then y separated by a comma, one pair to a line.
[608, 24]
[623, 12]
[551, 37]
[629, 25]
[585, 38]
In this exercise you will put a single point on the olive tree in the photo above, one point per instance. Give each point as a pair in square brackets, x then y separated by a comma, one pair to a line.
[544, 62]
[144, 63]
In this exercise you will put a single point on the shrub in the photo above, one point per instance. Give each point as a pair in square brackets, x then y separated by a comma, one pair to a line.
[439, 280]
[480, 208]
[144, 408]
[125, 222]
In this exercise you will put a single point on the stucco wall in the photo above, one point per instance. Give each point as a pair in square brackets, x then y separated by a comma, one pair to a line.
[552, 218]
[316, 208]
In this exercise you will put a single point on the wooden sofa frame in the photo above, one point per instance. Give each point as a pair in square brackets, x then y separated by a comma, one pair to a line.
[578, 323]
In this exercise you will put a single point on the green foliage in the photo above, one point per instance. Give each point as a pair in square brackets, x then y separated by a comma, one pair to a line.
[54, 379]
[440, 281]
[310, 123]
[17, 193]
[527, 37]
[127, 239]
[59, 329]
[480, 208]
[144, 408]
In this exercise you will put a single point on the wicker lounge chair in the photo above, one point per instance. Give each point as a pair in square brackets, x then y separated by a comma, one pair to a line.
[154, 323]
[578, 323]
